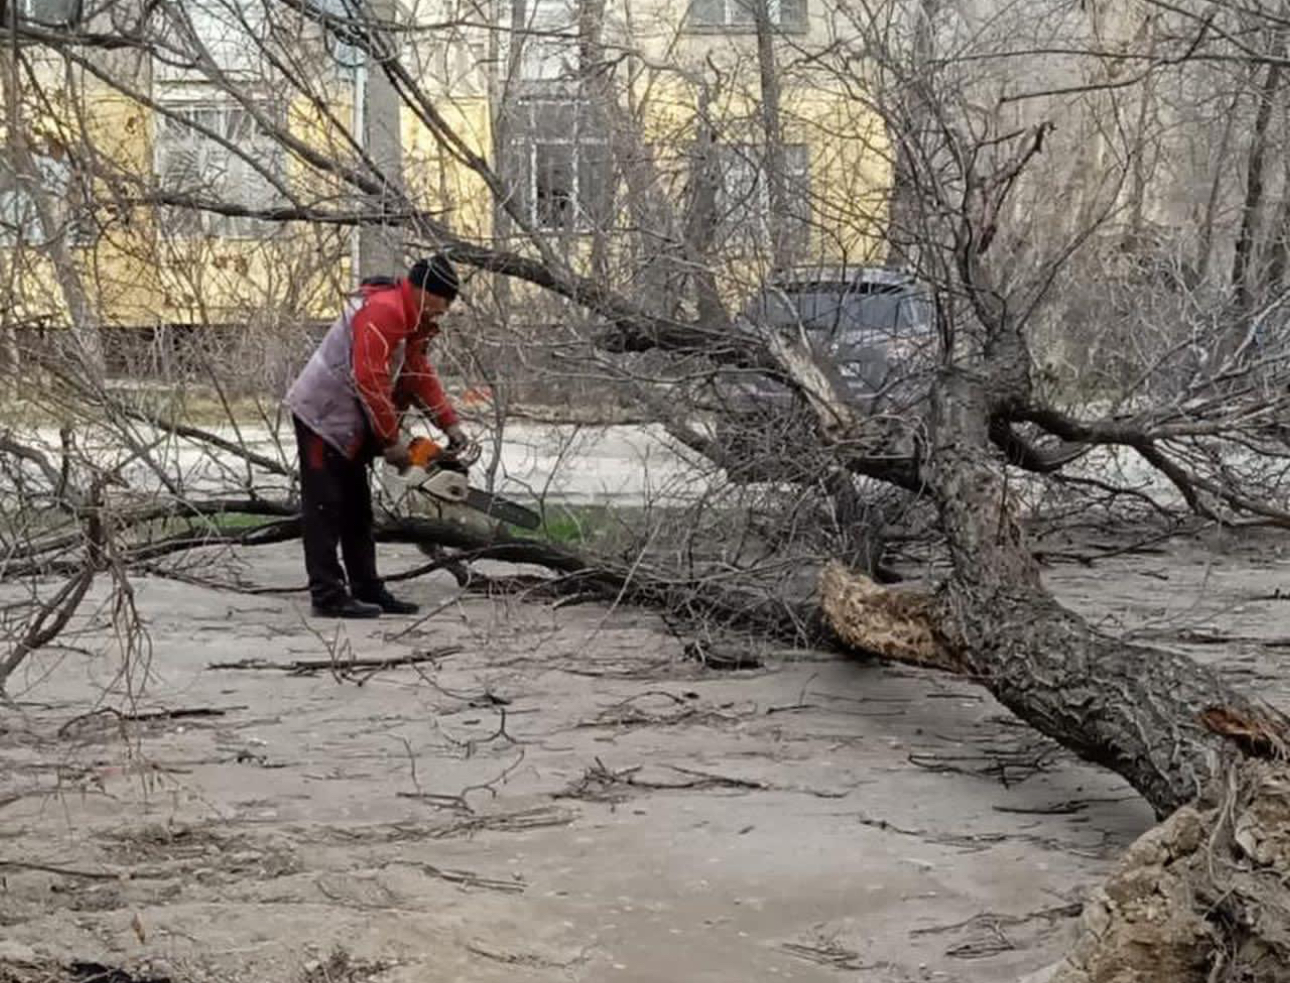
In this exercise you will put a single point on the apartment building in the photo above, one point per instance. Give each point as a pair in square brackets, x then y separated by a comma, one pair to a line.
[601, 129]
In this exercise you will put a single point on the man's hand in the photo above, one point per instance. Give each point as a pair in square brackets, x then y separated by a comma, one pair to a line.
[398, 455]
[461, 447]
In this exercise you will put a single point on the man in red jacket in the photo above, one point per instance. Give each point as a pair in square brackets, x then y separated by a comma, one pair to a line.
[347, 403]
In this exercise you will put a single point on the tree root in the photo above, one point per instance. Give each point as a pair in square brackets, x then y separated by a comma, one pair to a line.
[1202, 898]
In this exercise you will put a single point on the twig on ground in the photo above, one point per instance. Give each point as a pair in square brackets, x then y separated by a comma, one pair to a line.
[147, 715]
[600, 782]
[459, 801]
[828, 952]
[304, 667]
[506, 822]
[467, 878]
[89, 875]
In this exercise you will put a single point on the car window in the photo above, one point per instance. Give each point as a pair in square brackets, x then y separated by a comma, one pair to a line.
[917, 316]
[839, 314]
[874, 317]
[820, 310]
[817, 312]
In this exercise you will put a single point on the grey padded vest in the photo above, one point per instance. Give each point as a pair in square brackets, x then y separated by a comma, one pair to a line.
[324, 395]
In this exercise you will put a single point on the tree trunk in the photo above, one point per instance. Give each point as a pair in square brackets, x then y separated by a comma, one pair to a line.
[598, 97]
[903, 225]
[773, 136]
[1244, 273]
[1161, 720]
[1274, 270]
[500, 75]
[84, 322]
[701, 218]
[381, 247]
[1205, 245]
[1139, 172]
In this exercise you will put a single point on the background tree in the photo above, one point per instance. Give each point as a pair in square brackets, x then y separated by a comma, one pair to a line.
[629, 253]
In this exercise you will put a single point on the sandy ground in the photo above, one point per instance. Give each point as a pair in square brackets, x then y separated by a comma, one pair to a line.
[561, 795]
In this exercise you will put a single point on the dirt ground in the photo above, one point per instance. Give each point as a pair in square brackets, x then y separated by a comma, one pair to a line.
[556, 795]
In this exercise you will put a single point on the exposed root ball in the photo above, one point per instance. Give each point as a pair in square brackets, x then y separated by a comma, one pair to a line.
[1201, 898]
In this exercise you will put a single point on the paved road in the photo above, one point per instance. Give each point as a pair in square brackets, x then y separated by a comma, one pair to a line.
[623, 465]
[626, 465]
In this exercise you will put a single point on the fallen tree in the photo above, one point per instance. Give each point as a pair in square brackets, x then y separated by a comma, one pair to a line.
[1203, 896]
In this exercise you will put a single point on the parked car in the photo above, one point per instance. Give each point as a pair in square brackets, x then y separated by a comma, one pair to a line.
[871, 330]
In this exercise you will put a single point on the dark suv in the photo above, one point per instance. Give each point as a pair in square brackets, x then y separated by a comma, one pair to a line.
[872, 331]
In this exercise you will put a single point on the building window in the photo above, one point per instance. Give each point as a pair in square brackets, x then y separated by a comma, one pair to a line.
[452, 64]
[193, 164]
[788, 15]
[20, 222]
[343, 31]
[547, 33]
[558, 165]
[743, 197]
[230, 32]
[48, 13]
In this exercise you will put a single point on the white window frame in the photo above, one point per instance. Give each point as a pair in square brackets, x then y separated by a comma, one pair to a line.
[220, 29]
[203, 223]
[736, 16]
[525, 143]
[29, 11]
[753, 210]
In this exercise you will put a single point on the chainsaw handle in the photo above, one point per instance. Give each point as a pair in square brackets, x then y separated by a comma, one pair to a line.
[464, 454]
[423, 452]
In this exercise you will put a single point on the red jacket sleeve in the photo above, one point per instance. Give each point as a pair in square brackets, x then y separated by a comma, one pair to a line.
[421, 382]
[377, 333]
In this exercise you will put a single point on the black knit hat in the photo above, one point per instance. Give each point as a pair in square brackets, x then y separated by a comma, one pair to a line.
[435, 275]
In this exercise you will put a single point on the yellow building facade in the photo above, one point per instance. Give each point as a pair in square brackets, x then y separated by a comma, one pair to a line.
[602, 144]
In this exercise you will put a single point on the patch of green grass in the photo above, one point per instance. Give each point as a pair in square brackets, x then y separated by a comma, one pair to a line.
[572, 526]
[585, 526]
[225, 523]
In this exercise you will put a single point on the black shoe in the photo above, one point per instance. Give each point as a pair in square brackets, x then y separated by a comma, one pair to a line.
[347, 608]
[390, 604]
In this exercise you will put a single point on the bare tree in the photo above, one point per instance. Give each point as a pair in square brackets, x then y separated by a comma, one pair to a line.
[975, 175]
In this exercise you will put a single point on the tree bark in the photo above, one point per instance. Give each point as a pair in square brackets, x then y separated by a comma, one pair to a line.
[1244, 272]
[701, 217]
[907, 136]
[1161, 720]
[593, 79]
[84, 322]
[773, 136]
[1205, 244]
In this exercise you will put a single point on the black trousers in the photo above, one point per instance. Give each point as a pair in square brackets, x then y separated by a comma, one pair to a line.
[335, 509]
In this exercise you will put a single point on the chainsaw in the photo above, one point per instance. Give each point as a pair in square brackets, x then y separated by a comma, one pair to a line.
[441, 474]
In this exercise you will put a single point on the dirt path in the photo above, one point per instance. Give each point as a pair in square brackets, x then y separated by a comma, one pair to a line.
[561, 795]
